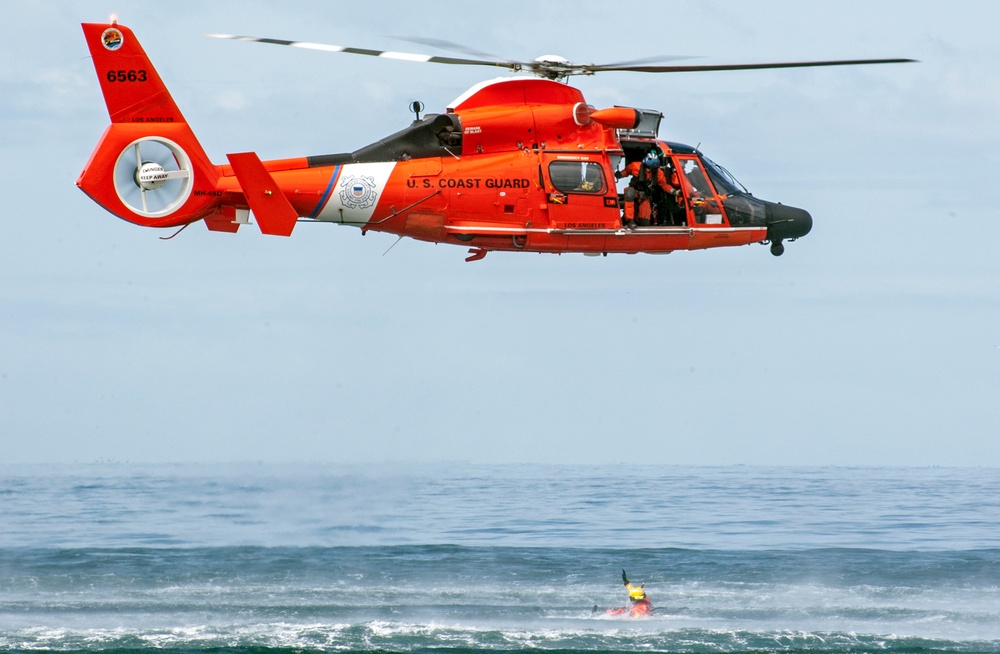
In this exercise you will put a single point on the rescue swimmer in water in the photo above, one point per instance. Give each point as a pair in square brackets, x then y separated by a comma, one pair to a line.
[640, 605]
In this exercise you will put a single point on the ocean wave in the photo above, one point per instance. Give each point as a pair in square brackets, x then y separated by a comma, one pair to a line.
[387, 636]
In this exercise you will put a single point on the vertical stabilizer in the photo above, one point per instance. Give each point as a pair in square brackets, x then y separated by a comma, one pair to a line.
[133, 90]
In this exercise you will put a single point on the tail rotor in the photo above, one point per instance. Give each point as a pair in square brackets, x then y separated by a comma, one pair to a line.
[153, 176]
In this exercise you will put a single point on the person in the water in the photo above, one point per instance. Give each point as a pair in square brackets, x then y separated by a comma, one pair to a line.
[640, 604]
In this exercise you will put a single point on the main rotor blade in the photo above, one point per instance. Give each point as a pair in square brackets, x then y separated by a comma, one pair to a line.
[450, 45]
[634, 62]
[554, 70]
[720, 67]
[405, 56]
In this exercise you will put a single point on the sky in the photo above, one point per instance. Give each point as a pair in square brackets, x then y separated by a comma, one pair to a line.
[875, 340]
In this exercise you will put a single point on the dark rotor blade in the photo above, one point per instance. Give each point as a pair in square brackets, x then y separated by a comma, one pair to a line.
[644, 60]
[458, 47]
[719, 67]
[555, 70]
[454, 47]
[388, 54]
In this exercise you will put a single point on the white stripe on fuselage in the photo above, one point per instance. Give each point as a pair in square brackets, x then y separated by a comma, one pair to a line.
[356, 193]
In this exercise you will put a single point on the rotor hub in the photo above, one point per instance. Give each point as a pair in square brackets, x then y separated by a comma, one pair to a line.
[150, 176]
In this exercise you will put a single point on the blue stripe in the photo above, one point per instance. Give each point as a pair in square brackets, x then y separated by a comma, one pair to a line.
[326, 193]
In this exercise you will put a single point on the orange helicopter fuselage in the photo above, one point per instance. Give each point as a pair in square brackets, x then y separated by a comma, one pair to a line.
[518, 164]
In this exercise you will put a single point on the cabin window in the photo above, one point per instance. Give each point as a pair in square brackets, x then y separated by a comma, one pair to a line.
[577, 176]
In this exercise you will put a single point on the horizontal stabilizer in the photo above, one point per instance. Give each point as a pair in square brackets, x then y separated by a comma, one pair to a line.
[275, 214]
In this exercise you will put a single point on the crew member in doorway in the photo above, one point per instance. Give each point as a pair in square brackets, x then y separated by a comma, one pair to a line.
[647, 175]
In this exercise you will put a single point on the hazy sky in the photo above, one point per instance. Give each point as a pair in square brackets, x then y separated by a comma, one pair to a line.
[875, 340]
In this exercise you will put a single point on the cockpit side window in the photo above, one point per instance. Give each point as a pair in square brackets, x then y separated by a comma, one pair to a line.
[696, 176]
[703, 202]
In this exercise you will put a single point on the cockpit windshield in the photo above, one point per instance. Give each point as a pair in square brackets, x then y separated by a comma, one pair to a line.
[722, 178]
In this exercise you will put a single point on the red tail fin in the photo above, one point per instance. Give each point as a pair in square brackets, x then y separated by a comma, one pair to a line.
[148, 167]
[132, 88]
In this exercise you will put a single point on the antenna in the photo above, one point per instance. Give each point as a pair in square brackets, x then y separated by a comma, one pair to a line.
[415, 108]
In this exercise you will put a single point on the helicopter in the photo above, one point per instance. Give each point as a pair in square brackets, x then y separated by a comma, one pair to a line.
[520, 163]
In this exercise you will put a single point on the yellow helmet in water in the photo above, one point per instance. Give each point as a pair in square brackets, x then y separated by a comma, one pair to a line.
[635, 593]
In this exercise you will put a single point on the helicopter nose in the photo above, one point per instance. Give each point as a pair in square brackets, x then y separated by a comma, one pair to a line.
[784, 222]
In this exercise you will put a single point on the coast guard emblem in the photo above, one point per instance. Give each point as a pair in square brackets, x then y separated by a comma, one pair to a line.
[358, 192]
[112, 39]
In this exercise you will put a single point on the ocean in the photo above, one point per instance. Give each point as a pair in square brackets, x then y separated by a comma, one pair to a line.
[452, 558]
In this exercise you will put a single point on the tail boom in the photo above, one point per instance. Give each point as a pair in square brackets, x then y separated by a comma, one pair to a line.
[149, 168]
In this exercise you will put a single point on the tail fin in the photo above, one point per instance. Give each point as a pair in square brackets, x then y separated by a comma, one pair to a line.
[148, 168]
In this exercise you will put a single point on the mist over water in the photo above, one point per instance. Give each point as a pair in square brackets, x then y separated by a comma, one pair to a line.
[195, 558]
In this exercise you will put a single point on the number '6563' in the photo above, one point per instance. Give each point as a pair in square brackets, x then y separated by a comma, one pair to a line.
[126, 76]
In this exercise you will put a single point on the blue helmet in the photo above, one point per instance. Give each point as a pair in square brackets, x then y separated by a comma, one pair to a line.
[651, 161]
